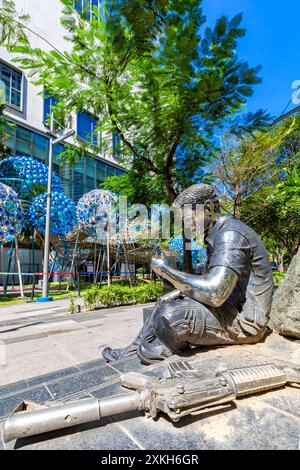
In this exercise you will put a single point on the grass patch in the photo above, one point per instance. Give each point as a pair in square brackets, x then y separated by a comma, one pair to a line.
[12, 299]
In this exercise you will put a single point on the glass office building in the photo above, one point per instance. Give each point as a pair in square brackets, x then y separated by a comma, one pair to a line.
[28, 106]
[87, 173]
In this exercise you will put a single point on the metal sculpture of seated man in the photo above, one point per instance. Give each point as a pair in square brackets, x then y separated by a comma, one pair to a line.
[228, 304]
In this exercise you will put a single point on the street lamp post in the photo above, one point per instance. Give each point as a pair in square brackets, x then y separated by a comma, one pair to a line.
[53, 141]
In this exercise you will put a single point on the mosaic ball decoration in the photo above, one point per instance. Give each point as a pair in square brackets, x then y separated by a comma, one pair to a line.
[11, 216]
[94, 208]
[198, 252]
[24, 173]
[63, 213]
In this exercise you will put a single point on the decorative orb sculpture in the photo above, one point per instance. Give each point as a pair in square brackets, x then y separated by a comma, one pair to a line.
[11, 216]
[198, 252]
[63, 213]
[94, 208]
[24, 173]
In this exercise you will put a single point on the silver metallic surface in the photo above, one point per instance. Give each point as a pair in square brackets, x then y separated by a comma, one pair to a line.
[255, 379]
[229, 304]
[212, 288]
[185, 391]
[38, 420]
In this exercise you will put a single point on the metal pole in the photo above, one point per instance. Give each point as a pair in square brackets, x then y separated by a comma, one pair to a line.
[3, 268]
[52, 142]
[108, 259]
[45, 297]
[19, 268]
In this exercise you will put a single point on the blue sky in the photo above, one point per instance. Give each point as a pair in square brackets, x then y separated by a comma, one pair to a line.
[272, 40]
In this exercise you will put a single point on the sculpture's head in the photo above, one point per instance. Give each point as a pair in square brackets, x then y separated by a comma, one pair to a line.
[204, 206]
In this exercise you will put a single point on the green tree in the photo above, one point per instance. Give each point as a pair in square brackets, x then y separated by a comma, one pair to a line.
[288, 153]
[151, 73]
[245, 164]
[275, 215]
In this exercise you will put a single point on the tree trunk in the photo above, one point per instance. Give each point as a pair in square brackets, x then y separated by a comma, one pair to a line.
[238, 207]
[187, 252]
[281, 263]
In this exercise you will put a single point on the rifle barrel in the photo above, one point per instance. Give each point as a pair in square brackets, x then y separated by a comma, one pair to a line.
[53, 417]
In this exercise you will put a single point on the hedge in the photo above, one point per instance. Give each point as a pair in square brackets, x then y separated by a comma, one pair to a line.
[119, 294]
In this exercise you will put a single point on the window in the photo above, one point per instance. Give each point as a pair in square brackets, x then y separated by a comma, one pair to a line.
[110, 170]
[116, 141]
[86, 7]
[40, 147]
[86, 128]
[12, 81]
[90, 175]
[10, 141]
[100, 172]
[48, 102]
[78, 179]
[23, 141]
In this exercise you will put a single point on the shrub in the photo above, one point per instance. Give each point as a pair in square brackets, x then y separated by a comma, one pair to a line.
[122, 294]
[73, 307]
[91, 296]
[278, 277]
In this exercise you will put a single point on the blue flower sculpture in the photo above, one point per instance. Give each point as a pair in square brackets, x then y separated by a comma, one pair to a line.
[198, 252]
[24, 173]
[94, 208]
[63, 213]
[11, 216]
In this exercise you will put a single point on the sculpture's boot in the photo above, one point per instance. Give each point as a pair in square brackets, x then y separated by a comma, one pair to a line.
[146, 334]
[153, 352]
[110, 354]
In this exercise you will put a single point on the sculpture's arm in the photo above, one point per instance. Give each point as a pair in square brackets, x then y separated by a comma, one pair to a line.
[173, 295]
[213, 288]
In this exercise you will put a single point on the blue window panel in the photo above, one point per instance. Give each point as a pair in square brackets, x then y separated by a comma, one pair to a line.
[11, 81]
[57, 150]
[40, 147]
[90, 167]
[48, 102]
[78, 5]
[78, 179]
[10, 141]
[100, 171]
[86, 7]
[110, 170]
[56, 168]
[90, 184]
[116, 141]
[86, 128]
[23, 141]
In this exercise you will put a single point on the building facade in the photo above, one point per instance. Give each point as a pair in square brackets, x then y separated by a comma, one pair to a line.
[28, 107]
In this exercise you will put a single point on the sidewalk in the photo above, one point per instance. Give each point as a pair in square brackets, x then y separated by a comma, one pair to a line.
[39, 341]
[31, 309]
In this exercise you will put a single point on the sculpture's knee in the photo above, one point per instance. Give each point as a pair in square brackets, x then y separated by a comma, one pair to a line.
[178, 324]
[167, 334]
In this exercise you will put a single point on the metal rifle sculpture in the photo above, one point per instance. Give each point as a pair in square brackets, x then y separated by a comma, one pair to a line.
[184, 391]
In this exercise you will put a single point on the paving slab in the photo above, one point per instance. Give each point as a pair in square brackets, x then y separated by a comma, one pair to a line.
[45, 344]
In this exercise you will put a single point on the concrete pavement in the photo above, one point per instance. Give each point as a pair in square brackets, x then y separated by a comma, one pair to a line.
[38, 341]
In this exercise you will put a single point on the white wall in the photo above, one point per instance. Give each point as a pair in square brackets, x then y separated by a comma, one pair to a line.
[45, 21]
